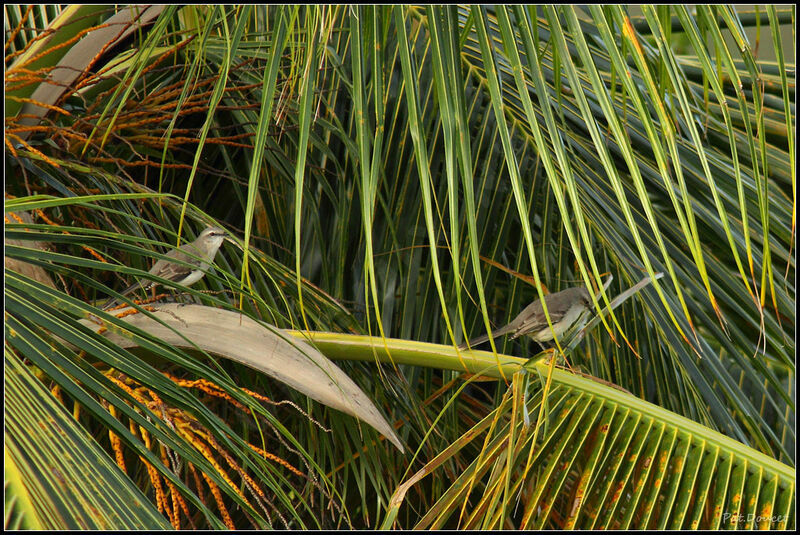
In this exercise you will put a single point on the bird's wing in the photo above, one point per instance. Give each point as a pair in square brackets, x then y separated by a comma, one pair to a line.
[167, 269]
[532, 319]
[537, 322]
[172, 271]
[520, 325]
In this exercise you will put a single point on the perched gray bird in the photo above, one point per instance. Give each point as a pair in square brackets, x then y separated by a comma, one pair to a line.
[564, 307]
[198, 254]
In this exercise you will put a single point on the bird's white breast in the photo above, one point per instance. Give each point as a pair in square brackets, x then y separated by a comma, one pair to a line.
[573, 313]
[193, 277]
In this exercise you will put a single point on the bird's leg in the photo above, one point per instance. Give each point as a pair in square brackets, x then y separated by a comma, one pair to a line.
[561, 360]
[577, 371]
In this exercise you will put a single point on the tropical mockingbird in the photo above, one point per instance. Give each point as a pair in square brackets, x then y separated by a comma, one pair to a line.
[564, 308]
[198, 255]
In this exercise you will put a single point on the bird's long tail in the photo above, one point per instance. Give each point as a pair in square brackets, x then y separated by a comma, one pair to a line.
[112, 302]
[481, 339]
